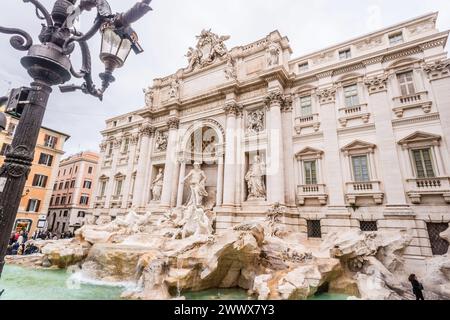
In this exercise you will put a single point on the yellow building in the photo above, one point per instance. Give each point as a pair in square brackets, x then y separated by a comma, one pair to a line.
[39, 187]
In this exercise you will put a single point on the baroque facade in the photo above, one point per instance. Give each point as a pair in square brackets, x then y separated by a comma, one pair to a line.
[354, 136]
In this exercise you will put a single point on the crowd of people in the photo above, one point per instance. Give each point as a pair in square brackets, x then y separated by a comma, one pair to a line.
[21, 244]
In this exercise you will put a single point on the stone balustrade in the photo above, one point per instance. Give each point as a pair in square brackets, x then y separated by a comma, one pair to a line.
[312, 191]
[428, 186]
[416, 100]
[364, 189]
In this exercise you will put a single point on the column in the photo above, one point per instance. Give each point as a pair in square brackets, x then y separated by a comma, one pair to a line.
[332, 158]
[219, 194]
[275, 169]
[175, 184]
[170, 167]
[390, 167]
[289, 174]
[229, 193]
[146, 133]
[128, 196]
[180, 183]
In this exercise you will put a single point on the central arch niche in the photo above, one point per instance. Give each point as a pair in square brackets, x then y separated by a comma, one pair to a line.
[203, 143]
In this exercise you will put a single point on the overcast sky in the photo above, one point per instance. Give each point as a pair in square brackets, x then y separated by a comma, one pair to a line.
[168, 31]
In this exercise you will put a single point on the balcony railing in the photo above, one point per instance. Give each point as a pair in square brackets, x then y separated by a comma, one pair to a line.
[312, 191]
[416, 100]
[428, 186]
[364, 189]
[306, 122]
[354, 112]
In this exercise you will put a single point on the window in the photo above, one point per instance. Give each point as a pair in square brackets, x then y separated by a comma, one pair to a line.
[351, 95]
[360, 168]
[126, 144]
[40, 181]
[130, 119]
[303, 67]
[11, 130]
[67, 185]
[368, 226]
[115, 123]
[439, 246]
[310, 172]
[314, 229]
[84, 199]
[51, 201]
[103, 188]
[70, 171]
[57, 201]
[72, 184]
[64, 172]
[63, 200]
[345, 54]
[76, 169]
[87, 184]
[305, 106]
[5, 148]
[81, 214]
[46, 160]
[69, 199]
[66, 213]
[118, 190]
[90, 170]
[61, 184]
[50, 141]
[55, 186]
[423, 163]
[110, 149]
[396, 38]
[33, 205]
[406, 81]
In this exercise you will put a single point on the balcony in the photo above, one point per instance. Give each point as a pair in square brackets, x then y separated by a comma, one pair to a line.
[372, 189]
[360, 111]
[310, 121]
[312, 191]
[413, 101]
[428, 186]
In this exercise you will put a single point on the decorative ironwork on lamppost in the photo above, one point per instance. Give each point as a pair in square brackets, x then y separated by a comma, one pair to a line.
[48, 63]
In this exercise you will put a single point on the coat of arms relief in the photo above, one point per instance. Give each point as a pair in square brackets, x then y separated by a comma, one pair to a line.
[209, 48]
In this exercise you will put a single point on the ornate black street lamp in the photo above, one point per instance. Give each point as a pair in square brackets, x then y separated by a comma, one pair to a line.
[49, 64]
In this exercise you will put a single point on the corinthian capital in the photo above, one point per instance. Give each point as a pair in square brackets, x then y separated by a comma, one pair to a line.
[377, 83]
[437, 70]
[173, 123]
[147, 130]
[274, 98]
[287, 105]
[232, 108]
[327, 95]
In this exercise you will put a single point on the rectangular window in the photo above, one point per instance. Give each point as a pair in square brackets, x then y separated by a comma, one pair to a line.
[55, 186]
[63, 200]
[87, 184]
[84, 199]
[50, 141]
[67, 185]
[5, 148]
[40, 181]
[81, 214]
[110, 149]
[76, 169]
[345, 54]
[51, 201]
[351, 95]
[396, 38]
[57, 201]
[423, 163]
[46, 159]
[360, 169]
[314, 229]
[126, 145]
[130, 119]
[72, 184]
[310, 172]
[368, 226]
[61, 184]
[103, 188]
[69, 199]
[303, 67]
[118, 190]
[439, 246]
[33, 205]
[305, 106]
[406, 81]
[90, 170]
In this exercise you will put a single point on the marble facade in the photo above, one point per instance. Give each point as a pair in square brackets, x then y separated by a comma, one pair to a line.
[357, 132]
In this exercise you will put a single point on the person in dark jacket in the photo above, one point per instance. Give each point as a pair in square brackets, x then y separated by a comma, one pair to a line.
[417, 287]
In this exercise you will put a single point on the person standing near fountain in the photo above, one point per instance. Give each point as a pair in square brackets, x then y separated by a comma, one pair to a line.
[417, 287]
[197, 180]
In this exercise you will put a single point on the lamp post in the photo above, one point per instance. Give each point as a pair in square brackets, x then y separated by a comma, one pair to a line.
[48, 63]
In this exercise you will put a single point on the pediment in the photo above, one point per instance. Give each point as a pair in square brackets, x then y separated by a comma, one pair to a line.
[103, 177]
[359, 145]
[309, 152]
[420, 137]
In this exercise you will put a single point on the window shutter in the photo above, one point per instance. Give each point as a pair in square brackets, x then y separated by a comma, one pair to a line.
[50, 160]
[35, 180]
[38, 204]
[44, 182]
[29, 205]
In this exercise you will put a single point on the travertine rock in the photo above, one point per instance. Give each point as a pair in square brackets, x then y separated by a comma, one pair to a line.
[63, 253]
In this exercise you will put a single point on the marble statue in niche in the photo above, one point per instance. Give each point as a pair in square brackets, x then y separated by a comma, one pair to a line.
[255, 122]
[157, 185]
[255, 180]
[196, 179]
[174, 88]
[161, 141]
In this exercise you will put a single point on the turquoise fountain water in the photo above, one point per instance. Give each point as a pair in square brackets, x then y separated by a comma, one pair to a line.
[29, 284]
